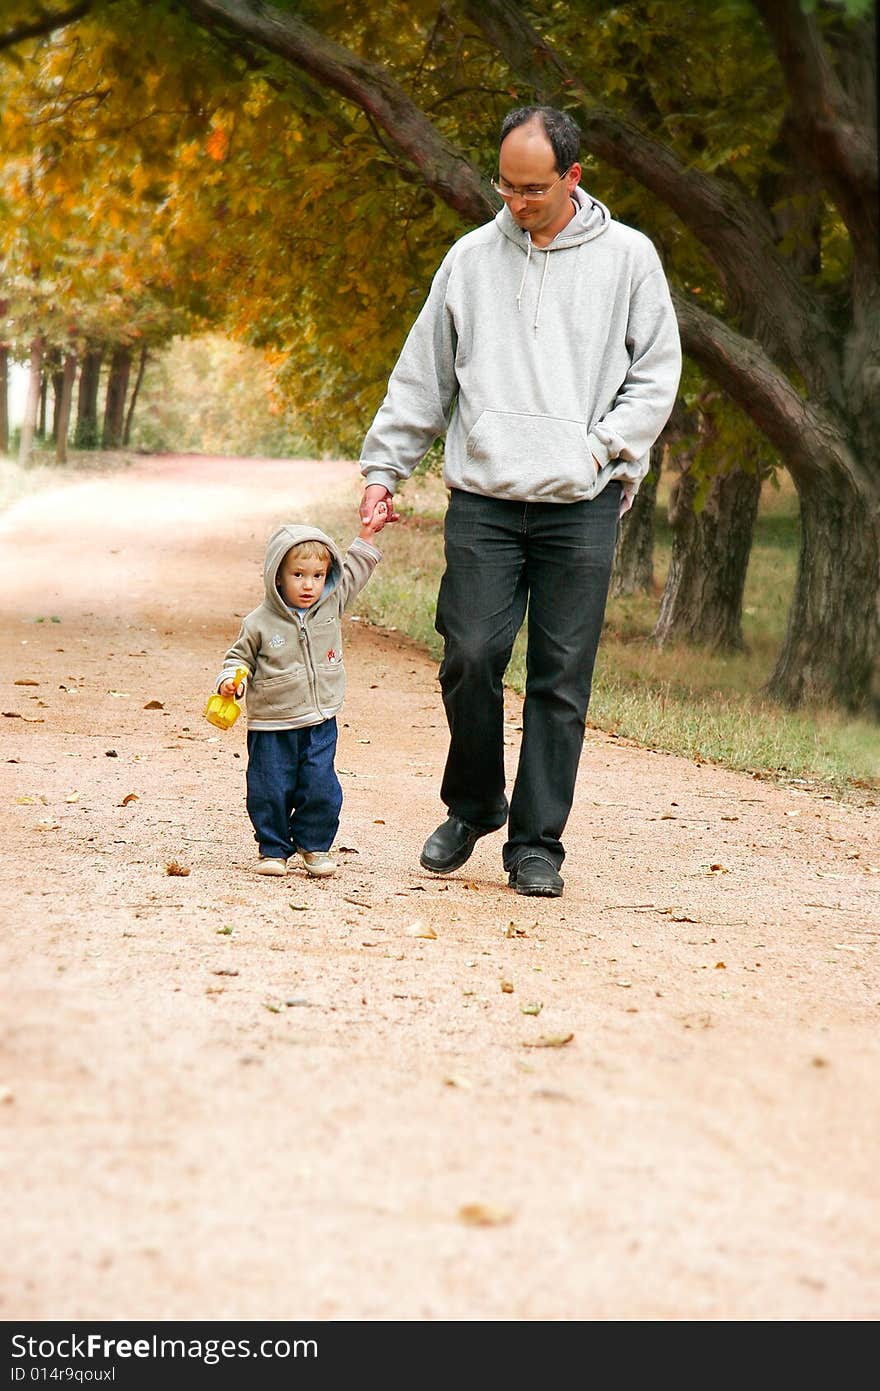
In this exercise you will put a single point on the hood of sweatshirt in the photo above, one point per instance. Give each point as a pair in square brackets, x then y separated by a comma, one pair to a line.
[279, 544]
[590, 221]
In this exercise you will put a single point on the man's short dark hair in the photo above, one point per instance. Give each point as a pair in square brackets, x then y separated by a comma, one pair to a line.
[562, 132]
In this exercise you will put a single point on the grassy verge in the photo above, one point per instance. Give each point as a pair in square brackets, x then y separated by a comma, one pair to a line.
[682, 700]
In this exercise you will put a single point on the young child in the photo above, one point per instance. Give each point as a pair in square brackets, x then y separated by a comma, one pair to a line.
[291, 647]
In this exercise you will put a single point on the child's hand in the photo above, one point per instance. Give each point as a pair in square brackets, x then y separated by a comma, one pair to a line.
[228, 688]
[376, 521]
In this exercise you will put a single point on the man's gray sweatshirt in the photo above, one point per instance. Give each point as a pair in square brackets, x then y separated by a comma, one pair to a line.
[535, 363]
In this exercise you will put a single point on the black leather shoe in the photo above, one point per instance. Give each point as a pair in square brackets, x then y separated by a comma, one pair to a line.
[449, 846]
[536, 876]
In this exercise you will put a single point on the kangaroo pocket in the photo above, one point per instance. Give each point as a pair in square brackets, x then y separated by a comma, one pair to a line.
[281, 697]
[529, 457]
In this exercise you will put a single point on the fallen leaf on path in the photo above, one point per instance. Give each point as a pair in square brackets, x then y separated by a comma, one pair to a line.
[461, 1082]
[548, 1041]
[176, 870]
[507, 987]
[420, 929]
[47, 824]
[298, 907]
[512, 930]
[377, 822]
[483, 1215]
[110, 753]
[24, 681]
[720, 966]
[347, 850]
[130, 797]
[624, 984]
[150, 705]
[72, 797]
[224, 971]
[534, 1008]
[273, 1009]
[224, 931]
[718, 869]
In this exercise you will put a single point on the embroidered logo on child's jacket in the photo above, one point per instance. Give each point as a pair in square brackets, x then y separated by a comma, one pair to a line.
[333, 656]
[277, 641]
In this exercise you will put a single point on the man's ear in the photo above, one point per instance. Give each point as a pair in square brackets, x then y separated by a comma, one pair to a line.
[574, 175]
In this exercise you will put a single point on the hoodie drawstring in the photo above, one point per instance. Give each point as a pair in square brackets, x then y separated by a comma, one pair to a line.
[522, 283]
[519, 293]
[541, 291]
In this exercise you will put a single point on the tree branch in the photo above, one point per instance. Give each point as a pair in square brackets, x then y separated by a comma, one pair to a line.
[834, 133]
[45, 22]
[442, 167]
[736, 231]
[807, 437]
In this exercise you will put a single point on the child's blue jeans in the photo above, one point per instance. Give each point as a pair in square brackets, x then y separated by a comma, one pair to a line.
[293, 794]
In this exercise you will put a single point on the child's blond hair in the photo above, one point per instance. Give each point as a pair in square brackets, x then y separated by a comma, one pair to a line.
[311, 550]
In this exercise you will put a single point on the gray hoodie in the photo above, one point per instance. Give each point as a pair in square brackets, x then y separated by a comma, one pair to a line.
[294, 659]
[535, 362]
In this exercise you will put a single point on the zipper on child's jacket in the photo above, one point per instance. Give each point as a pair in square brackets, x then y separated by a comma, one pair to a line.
[310, 661]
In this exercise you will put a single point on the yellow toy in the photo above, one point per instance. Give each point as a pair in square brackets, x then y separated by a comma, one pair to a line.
[223, 711]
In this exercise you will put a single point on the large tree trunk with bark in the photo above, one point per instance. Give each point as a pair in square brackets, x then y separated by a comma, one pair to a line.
[142, 363]
[86, 436]
[702, 598]
[65, 399]
[35, 378]
[633, 571]
[831, 648]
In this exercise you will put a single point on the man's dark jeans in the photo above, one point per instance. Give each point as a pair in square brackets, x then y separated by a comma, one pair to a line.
[500, 556]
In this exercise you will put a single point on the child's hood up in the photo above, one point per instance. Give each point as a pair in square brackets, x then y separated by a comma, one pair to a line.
[279, 543]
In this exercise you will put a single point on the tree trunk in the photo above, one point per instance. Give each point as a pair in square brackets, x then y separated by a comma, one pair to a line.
[633, 571]
[142, 363]
[64, 399]
[702, 599]
[44, 399]
[56, 370]
[33, 402]
[831, 651]
[4, 399]
[117, 389]
[86, 435]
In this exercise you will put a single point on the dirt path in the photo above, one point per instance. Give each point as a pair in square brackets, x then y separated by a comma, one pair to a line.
[292, 1120]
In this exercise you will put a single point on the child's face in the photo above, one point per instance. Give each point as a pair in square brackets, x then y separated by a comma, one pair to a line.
[301, 582]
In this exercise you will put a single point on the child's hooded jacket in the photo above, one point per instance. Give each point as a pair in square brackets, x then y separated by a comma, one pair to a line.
[294, 659]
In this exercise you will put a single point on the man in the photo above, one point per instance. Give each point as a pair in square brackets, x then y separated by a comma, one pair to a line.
[547, 352]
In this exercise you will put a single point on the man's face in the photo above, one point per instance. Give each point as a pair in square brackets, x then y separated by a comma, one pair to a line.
[301, 582]
[526, 161]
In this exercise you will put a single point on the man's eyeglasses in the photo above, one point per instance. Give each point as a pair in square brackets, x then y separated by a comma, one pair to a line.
[531, 194]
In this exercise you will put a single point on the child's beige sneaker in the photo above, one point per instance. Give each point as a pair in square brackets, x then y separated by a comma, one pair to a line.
[270, 866]
[318, 863]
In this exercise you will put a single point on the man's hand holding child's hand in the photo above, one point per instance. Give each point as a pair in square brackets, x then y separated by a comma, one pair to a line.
[374, 518]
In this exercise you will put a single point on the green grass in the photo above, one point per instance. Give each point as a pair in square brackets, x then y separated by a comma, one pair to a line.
[679, 699]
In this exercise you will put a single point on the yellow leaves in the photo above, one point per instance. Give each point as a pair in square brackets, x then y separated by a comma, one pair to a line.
[188, 154]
